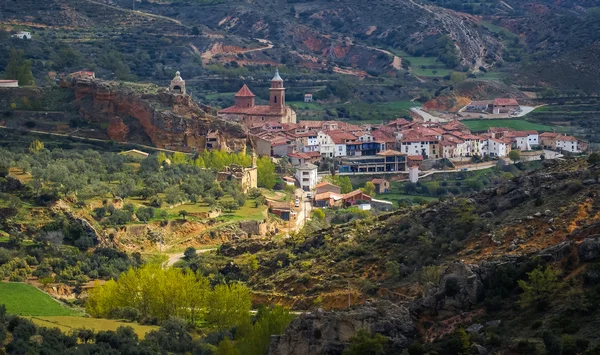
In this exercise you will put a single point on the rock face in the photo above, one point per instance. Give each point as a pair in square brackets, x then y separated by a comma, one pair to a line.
[589, 249]
[460, 288]
[167, 120]
[321, 332]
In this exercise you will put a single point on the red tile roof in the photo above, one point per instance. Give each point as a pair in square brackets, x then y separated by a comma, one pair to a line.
[505, 102]
[256, 110]
[324, 183]
[244, 92]
[381, 136]
[549, 135]
[390, 153]
[566, 138]
[354, 193]
[415, 157]
[340, 137]
[327, 196]
[398, 122]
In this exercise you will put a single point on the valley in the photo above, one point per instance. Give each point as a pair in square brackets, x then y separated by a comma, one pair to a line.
[270, 177]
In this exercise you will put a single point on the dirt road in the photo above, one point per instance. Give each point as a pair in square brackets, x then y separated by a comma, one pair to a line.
[173, 258]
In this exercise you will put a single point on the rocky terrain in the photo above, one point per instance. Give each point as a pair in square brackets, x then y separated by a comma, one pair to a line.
[168, 120]
[452, 264]
[142, 114]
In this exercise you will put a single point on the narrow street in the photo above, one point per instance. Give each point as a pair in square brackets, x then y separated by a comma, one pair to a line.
[304, 209]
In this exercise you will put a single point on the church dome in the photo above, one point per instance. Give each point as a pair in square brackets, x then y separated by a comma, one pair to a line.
[276, 77]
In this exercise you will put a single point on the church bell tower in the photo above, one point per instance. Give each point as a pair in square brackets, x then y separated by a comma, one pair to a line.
[277, 92]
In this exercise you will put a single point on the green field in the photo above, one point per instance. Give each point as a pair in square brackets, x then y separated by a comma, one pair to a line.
[26, 300]
[68, 323]
[427, 66]
[502, 31]
[521, 125]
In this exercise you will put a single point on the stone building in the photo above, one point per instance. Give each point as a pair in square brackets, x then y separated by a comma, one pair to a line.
[247, 177]
[177, 84]
[248, 113]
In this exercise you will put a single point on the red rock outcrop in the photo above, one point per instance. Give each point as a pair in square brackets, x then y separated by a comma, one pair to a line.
[170, 121]
[117, 130]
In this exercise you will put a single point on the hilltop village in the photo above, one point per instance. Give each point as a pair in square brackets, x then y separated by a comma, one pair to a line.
[391, 147]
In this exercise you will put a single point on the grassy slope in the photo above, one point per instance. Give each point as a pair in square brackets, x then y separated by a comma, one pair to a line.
[26, 300]
[68, 323]
[483, 125]
[376, 112]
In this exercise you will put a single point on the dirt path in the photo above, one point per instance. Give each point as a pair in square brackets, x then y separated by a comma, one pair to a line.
[396, 62]
[137, 12]
[173, 258]
[214, 50]
[87, 139]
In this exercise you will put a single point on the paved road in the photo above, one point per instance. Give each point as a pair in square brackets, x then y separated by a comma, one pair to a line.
[428, 117]
[305, 208]
[173, 258]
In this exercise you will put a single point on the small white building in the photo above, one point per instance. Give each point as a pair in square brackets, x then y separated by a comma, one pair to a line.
[22, 35]
[413, 174]
[326, 145]
[533, 137]
[306, 174]
[568, 144]
[498, 147]
[308, 97]
[9, 83]
[521, 140]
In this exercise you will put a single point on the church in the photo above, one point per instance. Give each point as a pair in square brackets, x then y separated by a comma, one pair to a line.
[249, 114]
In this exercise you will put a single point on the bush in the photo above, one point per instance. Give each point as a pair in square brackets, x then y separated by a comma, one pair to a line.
[363, 343]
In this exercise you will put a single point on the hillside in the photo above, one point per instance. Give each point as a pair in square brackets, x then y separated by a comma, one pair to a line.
[483, 244]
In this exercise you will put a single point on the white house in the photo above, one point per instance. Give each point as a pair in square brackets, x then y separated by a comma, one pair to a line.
[568, 144]
[498, 147]
[22, 35]
[533, 138]
[306, 174]
[308, 142]
[521, 141]
[308, 97]
[420, 145]
[326, 145]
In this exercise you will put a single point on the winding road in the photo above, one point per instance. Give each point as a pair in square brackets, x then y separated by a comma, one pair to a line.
[173, 258]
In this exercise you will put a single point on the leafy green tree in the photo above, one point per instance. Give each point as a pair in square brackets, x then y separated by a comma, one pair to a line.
[369, 188]
[542, 284]
[319, 214]
[183, 214]
[19, 69]
[363, 343]
[457, 77]
[255, 338]
[594, 158]
[342, 181]
[266, 173]
[514, 155]
[229, 204]
[229, 305]
[226, 347]
[36, 146]
[189, 253]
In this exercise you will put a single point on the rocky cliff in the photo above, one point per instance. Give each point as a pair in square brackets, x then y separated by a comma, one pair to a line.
[321, 332]
[164, 119]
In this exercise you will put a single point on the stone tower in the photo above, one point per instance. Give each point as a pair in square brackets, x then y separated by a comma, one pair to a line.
[177, 84]
[277, 92]
[244, 98]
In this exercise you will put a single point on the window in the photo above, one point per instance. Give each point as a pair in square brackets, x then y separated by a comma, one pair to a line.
[275, 99]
